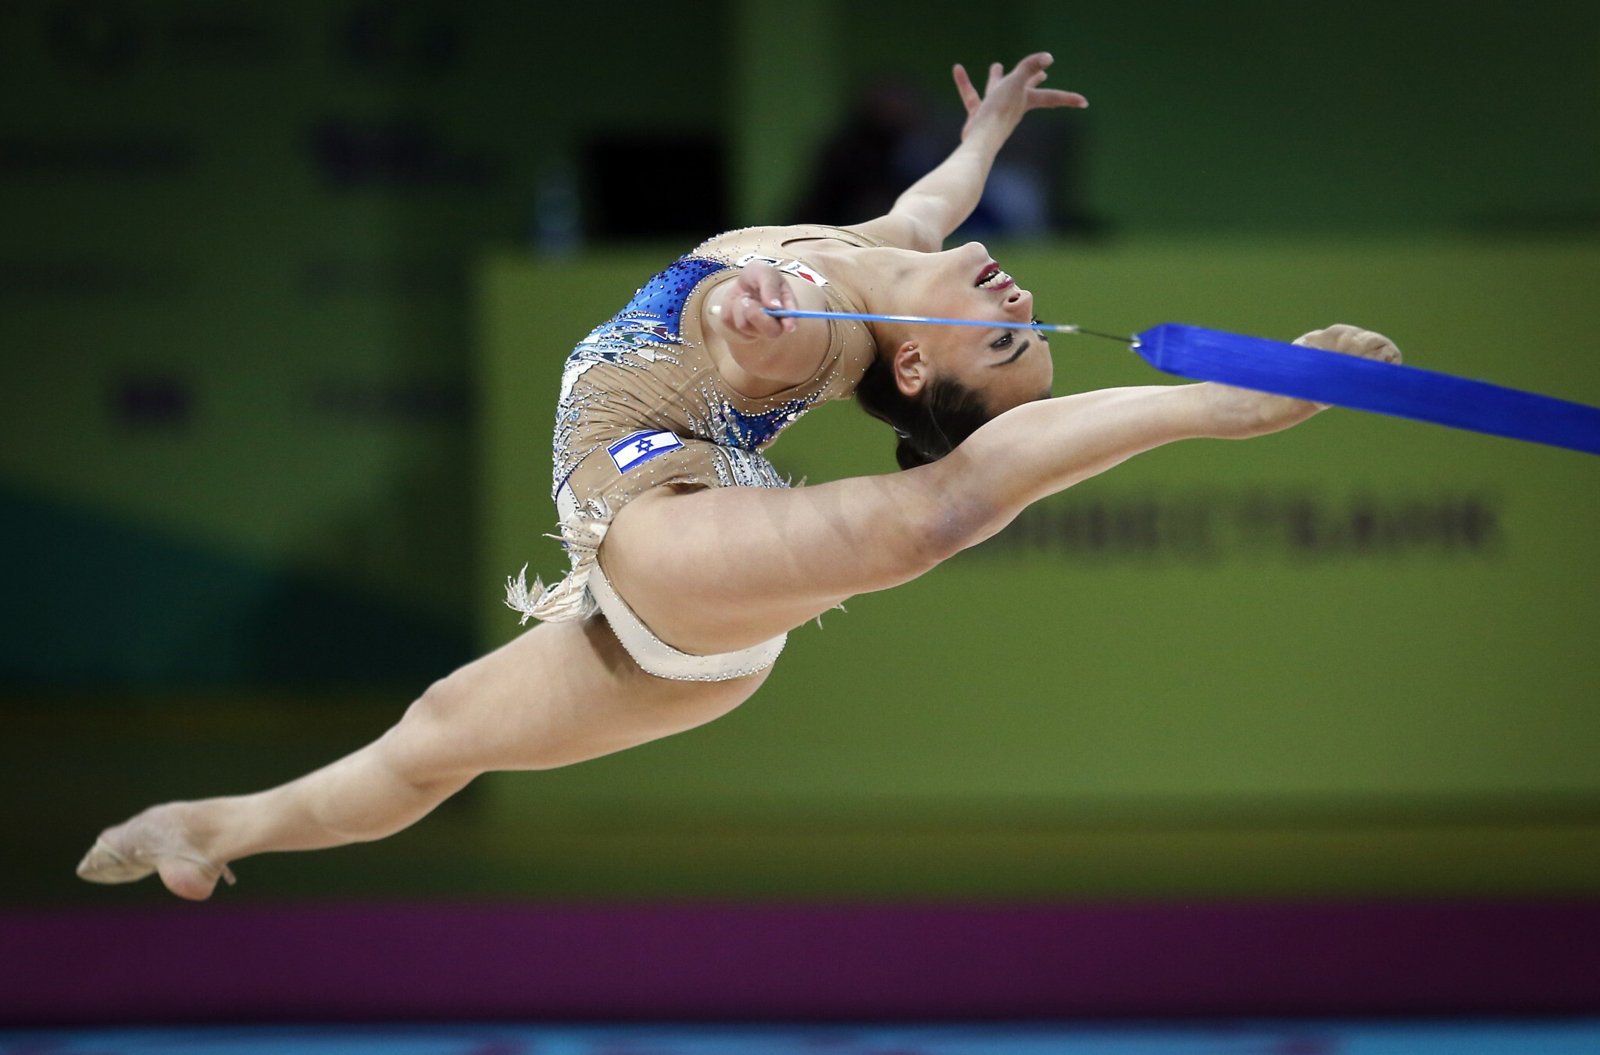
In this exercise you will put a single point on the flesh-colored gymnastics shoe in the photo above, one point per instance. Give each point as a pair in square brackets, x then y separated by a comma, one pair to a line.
[146, 845]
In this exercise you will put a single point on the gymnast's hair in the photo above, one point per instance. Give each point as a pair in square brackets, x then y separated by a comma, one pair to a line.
[930, 426]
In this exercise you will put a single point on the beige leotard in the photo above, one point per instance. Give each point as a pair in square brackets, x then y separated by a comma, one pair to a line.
[643, 404]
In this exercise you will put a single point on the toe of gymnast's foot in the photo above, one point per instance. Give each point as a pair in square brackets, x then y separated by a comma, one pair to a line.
[156, 841]
[1352, 340]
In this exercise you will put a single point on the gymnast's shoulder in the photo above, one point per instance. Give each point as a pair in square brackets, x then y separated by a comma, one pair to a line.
[775, 242]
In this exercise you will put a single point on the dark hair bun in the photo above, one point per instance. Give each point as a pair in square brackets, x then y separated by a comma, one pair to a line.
[907, 454]
[929, 426]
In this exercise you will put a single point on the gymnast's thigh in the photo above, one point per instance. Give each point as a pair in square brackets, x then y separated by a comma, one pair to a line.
[556, 694]
[721, 569]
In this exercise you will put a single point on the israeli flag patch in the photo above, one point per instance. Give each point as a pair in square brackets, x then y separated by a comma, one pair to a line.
[637, 448]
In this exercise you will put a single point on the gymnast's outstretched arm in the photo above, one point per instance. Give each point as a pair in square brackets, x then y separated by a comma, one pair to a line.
[933, 207]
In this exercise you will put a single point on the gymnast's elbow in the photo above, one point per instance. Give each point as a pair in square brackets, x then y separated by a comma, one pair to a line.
[956, 512]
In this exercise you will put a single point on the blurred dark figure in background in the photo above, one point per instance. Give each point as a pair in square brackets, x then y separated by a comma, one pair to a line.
[875, 156]
[890, 137]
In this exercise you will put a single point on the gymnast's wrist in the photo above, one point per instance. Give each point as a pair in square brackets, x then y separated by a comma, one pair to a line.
[986, 139]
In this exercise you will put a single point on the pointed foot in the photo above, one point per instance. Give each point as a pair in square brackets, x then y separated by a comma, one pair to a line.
[155, 841]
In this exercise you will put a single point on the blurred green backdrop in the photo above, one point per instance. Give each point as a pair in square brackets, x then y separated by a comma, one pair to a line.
[285, 293]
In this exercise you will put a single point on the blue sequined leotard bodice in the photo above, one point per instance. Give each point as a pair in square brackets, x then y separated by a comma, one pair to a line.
[645, 368]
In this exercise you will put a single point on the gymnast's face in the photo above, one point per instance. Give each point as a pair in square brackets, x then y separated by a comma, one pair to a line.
[1007, 366]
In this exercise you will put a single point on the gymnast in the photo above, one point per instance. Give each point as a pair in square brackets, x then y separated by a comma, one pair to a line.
[691, 558]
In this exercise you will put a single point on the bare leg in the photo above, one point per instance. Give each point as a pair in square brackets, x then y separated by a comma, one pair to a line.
[722, 569]
[558, 694]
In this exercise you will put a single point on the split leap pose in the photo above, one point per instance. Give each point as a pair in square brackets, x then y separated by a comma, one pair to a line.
[691, 559]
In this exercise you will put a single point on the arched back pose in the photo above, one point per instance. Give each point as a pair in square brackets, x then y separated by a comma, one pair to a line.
[690, 558]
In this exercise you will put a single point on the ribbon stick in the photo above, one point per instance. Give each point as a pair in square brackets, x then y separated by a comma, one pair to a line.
[1367, 384]
[983, 324]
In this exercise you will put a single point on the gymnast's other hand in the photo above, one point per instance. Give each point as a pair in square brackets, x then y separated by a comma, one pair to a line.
[1243, 412]
[1008, 96]
[739, 307]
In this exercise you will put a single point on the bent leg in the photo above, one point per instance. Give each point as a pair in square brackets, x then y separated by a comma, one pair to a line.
[719, 570]
[558, 694]
[723, 569]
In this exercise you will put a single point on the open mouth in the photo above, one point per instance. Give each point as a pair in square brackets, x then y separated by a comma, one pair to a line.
[991, 277]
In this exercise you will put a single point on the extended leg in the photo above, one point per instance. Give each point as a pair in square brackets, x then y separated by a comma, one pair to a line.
[558, 694]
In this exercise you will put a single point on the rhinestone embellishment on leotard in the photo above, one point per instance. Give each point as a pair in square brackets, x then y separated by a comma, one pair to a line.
[754, 431]
[642, 333]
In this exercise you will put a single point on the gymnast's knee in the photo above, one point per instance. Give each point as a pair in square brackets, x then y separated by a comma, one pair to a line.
[417, 750]
[948, 518]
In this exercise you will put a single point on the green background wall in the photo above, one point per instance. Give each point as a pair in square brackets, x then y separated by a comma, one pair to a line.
[235, 281]
[270, 434]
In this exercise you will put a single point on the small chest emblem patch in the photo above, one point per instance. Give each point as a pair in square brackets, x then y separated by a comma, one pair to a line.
[637, 448]
[793, 267]
[802, 271]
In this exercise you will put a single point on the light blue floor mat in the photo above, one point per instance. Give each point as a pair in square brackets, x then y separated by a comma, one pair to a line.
[1298, 1038]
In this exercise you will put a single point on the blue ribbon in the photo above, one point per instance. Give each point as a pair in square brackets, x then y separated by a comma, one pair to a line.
[1367, 384]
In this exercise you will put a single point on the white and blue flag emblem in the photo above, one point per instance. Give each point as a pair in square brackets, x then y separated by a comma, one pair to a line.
[637, 448]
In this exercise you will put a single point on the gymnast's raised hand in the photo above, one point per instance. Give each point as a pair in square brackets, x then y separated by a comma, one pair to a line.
[740, 306]
[1009, 96]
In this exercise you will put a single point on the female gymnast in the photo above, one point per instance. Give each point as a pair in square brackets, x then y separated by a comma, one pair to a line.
[683, 537]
